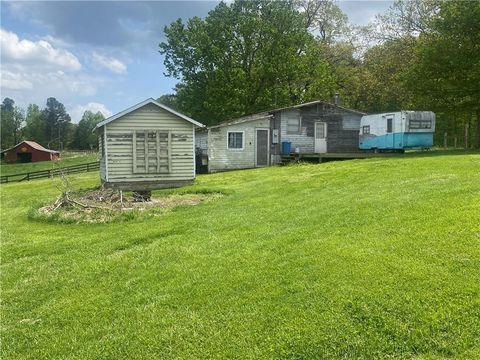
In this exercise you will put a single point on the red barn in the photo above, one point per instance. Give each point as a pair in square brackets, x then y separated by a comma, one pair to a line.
[29, 151]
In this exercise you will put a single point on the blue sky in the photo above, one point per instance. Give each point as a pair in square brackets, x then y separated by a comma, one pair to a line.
[101, 56]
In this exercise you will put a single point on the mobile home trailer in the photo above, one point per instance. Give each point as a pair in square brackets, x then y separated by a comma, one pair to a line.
[397, 131]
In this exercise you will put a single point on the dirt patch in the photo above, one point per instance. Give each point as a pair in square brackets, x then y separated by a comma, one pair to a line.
[105, 205]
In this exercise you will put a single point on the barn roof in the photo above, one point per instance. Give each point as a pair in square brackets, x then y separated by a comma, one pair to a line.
[33, 145]
[143, 103]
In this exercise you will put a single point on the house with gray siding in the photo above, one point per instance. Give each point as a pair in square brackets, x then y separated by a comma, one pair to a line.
[256, 140]
[147, 146]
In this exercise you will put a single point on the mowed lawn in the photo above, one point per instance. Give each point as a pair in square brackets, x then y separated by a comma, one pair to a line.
[68, 158]
[357, 259]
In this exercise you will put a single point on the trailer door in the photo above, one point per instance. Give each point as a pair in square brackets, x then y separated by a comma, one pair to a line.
[389, 143]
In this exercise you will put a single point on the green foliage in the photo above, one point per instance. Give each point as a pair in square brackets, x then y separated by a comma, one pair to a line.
[85, 137]
[382, 76]
[11, 123]
[362, 259]
[50, 127]
[448, 62]
[35, 125]
[169, 100]
[407, 18]
[324, 18]
[244, 57]
[57, 123]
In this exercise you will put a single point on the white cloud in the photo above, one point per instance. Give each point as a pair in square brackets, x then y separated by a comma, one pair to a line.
[33, 70]
[77, 112]
[41, 52]
[14, 81]
[110, 63]
[38, 82]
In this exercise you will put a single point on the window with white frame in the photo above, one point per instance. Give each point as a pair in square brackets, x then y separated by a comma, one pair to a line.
[420, 124]
[293, 125]
[235, 140]
[366, 129]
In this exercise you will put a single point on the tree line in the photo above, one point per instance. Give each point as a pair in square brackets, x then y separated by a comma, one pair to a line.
[51, 127]
[249, 56]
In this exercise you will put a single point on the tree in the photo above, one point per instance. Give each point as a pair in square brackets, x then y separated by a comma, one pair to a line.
[382, 74]
[242, 58]
[56, 122]
[407, 18]
[85, 138]
[12, 119]
[35, 125]
[324, 18]
[448, 62]
[169, 100]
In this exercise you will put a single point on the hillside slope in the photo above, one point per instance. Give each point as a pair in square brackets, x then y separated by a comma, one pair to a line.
[354, 259]
[67, 159]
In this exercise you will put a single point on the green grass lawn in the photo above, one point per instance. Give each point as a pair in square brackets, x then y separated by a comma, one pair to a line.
[357, 259]
[67, 159]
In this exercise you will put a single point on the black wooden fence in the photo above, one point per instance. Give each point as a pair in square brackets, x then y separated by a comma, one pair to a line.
[50, 173]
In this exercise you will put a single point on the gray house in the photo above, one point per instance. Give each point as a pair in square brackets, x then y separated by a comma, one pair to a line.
[147, 146]
[256, 140]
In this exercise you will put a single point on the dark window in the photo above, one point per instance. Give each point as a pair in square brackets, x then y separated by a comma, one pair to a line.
[420, 124]
[389, 125]
[366, 129]
[235, 140]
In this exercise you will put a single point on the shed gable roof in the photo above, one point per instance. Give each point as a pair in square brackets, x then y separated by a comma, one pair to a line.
[143, 103]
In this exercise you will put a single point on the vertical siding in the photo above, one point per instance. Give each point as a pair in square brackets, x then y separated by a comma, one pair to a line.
[149, 117]
[221, 158]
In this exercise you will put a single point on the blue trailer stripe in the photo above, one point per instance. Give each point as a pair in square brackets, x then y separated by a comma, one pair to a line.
[401, 140]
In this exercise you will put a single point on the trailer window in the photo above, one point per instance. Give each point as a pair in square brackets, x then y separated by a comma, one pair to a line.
[366, 129]
[389, 125]
[420, 124]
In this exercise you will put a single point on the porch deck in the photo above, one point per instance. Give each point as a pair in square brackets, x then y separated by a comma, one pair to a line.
[294, 157]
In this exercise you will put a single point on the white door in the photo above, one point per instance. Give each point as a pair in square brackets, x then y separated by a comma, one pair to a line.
[320, 137]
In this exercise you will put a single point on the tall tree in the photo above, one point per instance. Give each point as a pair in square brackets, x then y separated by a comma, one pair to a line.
[407, 18]
[446, 74]
[85, 138]
[243, 57]
[169, 100]
[12, 119]
[56, 123]
[35, 125]
[382, 75]
[324, 18]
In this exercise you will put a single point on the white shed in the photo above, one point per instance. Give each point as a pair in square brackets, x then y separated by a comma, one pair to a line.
[147, 146]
